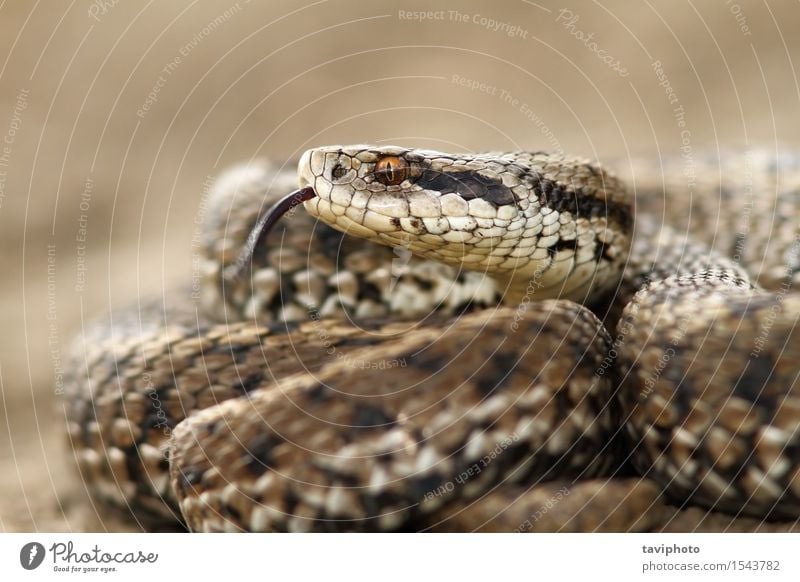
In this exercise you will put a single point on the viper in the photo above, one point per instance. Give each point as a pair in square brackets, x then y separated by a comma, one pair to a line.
[418, 340]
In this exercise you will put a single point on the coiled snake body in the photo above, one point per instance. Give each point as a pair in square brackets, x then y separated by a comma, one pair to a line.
[515, 353]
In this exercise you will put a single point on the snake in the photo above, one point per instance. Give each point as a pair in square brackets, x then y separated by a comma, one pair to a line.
[401, 339]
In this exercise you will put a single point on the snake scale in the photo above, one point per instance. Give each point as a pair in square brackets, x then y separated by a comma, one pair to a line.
[459, 342]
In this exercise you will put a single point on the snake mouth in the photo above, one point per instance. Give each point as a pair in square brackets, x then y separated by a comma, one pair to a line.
[304, 181]
[263, 227]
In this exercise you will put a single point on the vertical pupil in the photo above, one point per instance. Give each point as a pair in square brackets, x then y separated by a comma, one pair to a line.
[390, 171]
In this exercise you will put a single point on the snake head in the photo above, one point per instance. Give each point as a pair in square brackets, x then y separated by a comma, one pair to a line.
[518, 217]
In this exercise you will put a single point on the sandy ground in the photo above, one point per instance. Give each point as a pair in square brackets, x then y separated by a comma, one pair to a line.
[113, 114]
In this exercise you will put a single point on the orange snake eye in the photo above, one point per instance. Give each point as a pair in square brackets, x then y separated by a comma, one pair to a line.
[391, 170]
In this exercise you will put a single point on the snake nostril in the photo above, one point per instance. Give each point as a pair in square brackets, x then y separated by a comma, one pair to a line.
[338, 171]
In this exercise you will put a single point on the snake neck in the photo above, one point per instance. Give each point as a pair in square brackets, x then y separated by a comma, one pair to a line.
[517, 291]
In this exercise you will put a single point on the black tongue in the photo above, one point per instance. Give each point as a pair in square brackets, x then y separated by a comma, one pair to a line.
[265, 223]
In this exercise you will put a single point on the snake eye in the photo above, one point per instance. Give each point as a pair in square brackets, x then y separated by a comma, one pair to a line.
[391, 170]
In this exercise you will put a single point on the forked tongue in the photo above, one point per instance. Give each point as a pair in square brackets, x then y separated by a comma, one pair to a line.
[262, 228]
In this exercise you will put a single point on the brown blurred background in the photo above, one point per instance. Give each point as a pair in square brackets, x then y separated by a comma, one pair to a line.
[113, 113]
